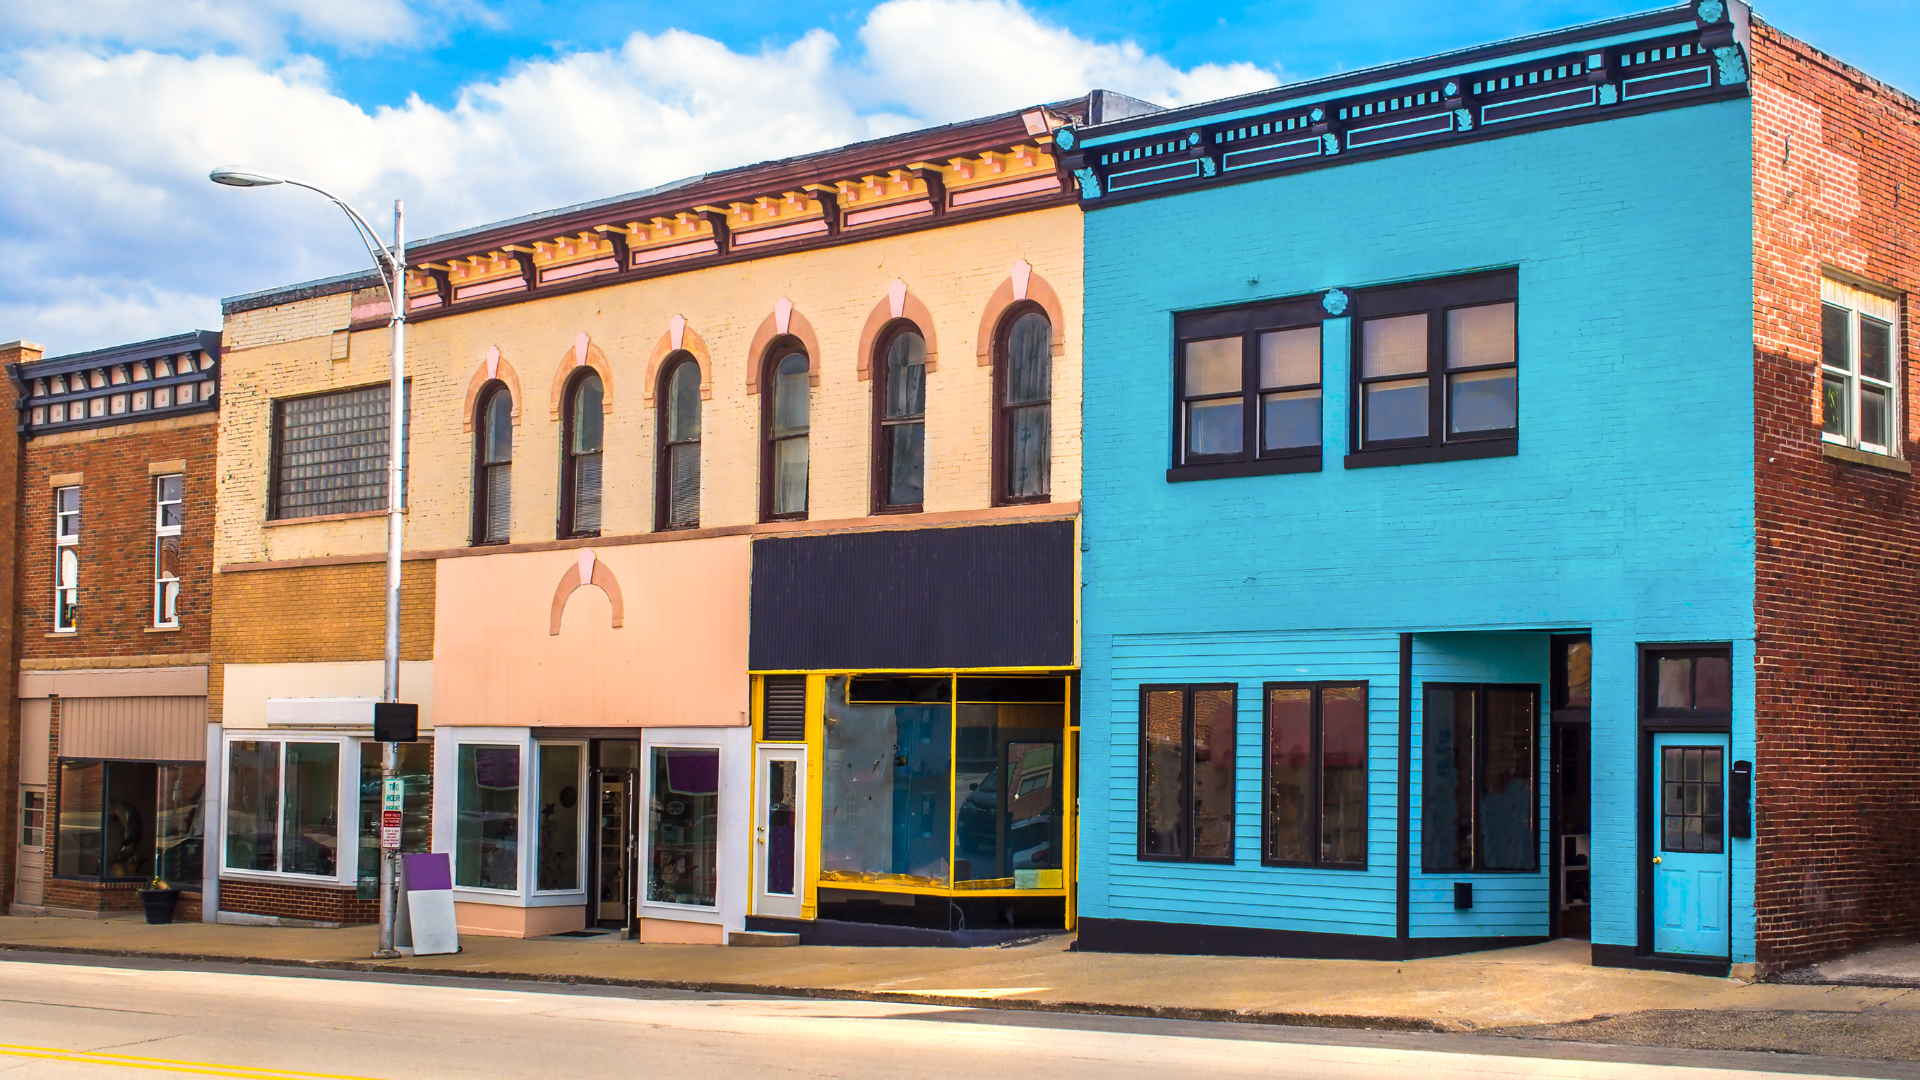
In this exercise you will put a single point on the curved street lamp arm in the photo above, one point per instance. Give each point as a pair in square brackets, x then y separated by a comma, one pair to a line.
[390, 273]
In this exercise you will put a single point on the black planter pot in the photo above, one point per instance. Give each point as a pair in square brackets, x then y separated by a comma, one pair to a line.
[159, 904]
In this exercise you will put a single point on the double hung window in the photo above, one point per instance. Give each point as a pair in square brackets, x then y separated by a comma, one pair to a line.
[1023, 408]
[1186, 772]
[283, 807]
[787, 389]
[900, 421]
[1249, 387]
[1314, 800]
[169, 509]
[1480, 778]
[493, 466]
[1859, 365]
[1436, 371]
[66, 559]
[581, 458]
[678, 480]
[330, 453]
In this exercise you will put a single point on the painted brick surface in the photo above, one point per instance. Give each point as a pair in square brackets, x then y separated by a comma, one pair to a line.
[1836, 161]
[953, 271]
[116, 538]
[1628, 510]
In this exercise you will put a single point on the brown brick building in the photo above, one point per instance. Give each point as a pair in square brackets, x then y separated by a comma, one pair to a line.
[111, 614]
[1836, 160]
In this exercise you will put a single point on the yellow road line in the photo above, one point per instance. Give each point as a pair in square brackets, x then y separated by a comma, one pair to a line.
[130, 1061]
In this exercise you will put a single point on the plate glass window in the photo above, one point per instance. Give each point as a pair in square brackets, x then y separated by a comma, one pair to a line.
[486, 840]
[558, 854]
[1480, 783]
[129, 821]
[168, 517]
[683, 823]
[416, 807]
[1315, 803]
[1186, 773]
[283, 806]
[679, 477]
[1859, 358]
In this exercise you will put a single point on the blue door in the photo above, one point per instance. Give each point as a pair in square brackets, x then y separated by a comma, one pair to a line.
[1691, 869]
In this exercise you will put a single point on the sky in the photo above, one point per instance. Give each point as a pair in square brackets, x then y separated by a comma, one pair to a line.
[113, 111]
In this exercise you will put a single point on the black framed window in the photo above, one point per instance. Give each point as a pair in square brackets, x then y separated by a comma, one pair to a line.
[1023, 408]
[1687, 684]
[330, 452]
[582, 458]
[1436, 371]
[1248, 383]
[1572, 678]
[1186, 772]
[1313, 809]
[130, 821]
[493, 465]
[1480, 778]
[677, 502]
[787, 392]
[900, 420]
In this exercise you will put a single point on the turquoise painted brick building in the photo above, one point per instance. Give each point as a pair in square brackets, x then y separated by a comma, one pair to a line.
[1418, 554]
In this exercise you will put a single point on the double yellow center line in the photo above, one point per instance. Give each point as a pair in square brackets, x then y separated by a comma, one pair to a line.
[130, 1061]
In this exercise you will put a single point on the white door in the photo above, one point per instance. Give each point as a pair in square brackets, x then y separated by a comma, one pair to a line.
[779, 830]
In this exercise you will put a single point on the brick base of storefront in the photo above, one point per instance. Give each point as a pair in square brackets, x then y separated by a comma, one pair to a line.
[304, 903]
[68, 897]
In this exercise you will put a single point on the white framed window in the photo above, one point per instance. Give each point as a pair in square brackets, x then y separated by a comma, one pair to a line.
[486, 832]
[33, 817]
[66, 559]
[1859, 369]
[289, 807]
[559, 850]
[168, 512]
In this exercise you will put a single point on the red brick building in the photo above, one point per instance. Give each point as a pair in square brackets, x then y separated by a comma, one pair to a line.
[111, 614]
[1836, 160]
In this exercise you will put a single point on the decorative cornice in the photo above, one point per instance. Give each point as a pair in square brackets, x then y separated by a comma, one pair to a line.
[1659, 60]
[126, 384]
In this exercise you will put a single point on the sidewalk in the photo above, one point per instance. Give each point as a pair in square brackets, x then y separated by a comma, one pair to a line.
[1531, 987]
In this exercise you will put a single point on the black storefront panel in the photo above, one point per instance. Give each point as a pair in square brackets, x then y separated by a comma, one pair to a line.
[988, 596]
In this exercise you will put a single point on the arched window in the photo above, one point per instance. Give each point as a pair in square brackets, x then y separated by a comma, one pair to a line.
[783, 464]
[1023, 409]
[678, 483]
[900, 420]
[493, 465]
[581, 458]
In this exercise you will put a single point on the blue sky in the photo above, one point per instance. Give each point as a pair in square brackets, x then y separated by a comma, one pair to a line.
[112, 111]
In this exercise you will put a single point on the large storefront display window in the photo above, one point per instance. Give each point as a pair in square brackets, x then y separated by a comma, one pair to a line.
[416, 820]
[487, 818]
[131, 821]
[944, 784]
[683, 826]
[558, 851]
[284, 803]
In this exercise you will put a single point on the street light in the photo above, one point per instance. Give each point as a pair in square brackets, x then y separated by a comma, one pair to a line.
[392, 267]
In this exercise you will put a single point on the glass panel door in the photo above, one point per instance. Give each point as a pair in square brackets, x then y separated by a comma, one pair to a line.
[613, 838]
[779, 832]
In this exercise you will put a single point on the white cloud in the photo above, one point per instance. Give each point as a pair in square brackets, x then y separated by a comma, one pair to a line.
[117, 234]
[249, 25]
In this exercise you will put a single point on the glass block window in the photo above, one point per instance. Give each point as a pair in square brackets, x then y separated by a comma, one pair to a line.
[330, 453]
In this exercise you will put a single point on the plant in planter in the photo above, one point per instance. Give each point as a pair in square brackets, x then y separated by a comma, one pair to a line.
[159, 898]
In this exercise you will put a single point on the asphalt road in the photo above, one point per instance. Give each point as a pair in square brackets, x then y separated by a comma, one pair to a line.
[91, 1018]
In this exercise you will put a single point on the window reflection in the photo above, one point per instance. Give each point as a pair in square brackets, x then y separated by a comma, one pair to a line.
[886, 782]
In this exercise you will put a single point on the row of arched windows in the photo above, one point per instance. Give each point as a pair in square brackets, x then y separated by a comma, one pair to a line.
[1022, 432]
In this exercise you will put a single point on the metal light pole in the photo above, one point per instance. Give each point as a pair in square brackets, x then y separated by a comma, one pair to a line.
[392, 267]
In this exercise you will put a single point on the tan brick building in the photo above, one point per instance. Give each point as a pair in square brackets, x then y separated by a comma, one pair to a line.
[112, 608]
[825, 410]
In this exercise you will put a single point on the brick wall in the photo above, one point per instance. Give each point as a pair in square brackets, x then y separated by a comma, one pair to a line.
[1836, 172]
[116, 538]
[10, 467]
[304, 902]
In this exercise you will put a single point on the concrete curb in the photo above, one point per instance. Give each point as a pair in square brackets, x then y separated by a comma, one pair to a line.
[1087, 1008]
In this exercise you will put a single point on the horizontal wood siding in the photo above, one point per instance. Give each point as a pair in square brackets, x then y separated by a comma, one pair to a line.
[134, 728]
[1245, 893]
[1504, 904]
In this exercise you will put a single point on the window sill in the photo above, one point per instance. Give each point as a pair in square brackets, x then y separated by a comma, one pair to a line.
[63, 633]
[1865, 457]
[162, 630]
[1222, 470]
[1420, 455]
[275, 523]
